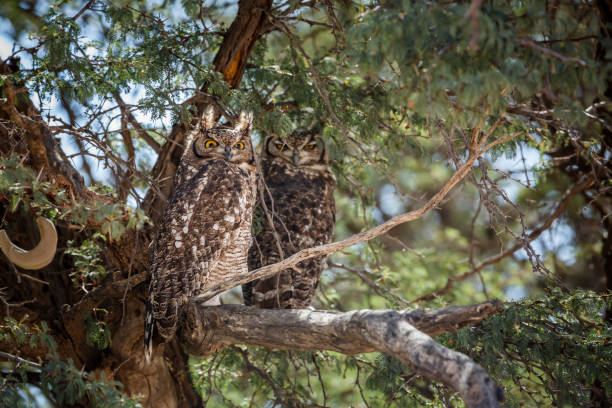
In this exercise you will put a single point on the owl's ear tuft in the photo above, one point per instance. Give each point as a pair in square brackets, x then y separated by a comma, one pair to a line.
[208, 117]
[245, 119]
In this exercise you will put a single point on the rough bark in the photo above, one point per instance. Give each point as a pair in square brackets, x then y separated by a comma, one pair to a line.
[403, 335]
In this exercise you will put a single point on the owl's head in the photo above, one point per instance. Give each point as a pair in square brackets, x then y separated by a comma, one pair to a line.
[302, 148]
[229, 143]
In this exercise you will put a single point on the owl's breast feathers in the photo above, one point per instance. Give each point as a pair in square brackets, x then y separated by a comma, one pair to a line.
[302, 206]
[204, 237]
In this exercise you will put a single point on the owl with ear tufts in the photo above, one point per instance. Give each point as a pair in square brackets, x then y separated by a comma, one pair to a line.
[206, 230]
[299, 197]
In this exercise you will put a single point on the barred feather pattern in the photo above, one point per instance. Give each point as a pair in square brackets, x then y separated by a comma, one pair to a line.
[204, 237]
[301, 203]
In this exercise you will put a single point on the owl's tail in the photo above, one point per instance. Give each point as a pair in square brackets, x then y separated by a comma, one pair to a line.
[148, 332]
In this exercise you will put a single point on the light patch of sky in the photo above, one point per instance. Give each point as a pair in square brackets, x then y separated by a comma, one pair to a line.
[5, 46]
[390, 202]
[34, 397]
[519, 170]
[515, 292]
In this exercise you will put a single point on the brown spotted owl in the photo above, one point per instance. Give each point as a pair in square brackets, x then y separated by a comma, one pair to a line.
[299, 195]
[205, 233]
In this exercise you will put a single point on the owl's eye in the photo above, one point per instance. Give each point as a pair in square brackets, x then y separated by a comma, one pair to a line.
[239, 145]
[310, 146]
[210, 143]
[281, 146]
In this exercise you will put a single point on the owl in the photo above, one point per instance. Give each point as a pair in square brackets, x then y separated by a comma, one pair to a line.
[206, 229]
[299, 196]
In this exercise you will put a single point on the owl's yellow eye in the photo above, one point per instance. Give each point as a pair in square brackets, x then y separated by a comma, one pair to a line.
[281, 146]
[310, 146]
[239, 145]
[210, 143]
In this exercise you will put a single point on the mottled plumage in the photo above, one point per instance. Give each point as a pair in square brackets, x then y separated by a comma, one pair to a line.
[299, 196]
[206, 229]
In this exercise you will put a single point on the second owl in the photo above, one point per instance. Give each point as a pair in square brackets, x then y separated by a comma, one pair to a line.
[299, 197]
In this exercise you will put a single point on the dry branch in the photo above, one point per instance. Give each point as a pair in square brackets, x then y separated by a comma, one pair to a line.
[477, 149]
[403, 335]
[492, 260]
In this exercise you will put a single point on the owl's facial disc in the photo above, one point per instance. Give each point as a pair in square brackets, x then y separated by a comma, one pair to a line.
[232, 148]
[298, 149]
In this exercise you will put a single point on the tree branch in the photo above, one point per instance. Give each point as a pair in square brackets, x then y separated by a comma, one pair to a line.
[563, 203]
[43, 147]
[403, 335]
[476, 149]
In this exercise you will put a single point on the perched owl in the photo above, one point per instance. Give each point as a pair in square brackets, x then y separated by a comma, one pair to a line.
[299, 195]
[206, 229]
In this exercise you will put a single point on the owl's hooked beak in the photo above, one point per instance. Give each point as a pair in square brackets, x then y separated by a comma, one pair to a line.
[228, 153]
[296, 157]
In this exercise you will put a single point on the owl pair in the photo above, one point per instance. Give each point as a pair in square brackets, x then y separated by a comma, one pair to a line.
[206, 231]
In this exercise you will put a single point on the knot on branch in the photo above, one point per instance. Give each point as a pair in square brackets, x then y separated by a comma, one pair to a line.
[197, 328]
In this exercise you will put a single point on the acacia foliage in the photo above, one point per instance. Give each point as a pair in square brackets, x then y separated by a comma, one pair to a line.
[398, 87]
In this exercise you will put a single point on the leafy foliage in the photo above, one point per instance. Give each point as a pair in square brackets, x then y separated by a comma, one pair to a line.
[19, 185]
[97, 331]
[87, 263]
[549, 351]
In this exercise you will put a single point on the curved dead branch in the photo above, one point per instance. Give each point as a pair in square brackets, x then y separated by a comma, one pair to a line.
[476, 149]
[401, 334]
[38, 257]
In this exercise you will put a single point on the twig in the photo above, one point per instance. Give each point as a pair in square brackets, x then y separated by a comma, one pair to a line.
[20, 360]
[585, 184]
[84, 9]
[530, 44]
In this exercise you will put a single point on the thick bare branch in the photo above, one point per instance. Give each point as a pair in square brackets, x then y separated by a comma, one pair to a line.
[403, 335]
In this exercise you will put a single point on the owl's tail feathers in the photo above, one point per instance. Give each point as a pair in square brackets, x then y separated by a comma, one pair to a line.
[148, 333]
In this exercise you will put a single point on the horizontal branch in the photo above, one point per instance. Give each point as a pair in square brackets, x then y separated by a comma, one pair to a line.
[19, 360]
[401, 334]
